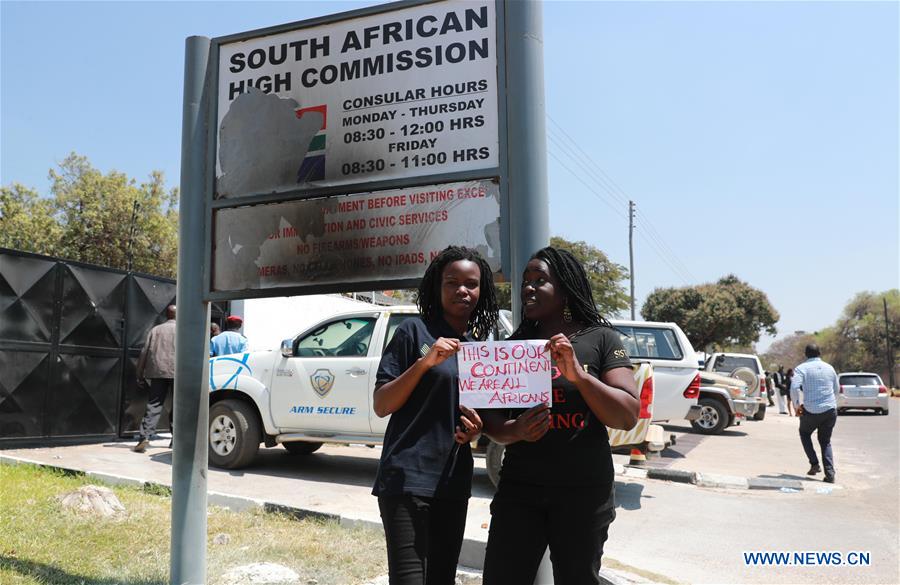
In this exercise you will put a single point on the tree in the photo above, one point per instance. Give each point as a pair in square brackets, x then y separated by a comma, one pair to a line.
[27, 221]
[89, 219]
[604, 275]
[787, 352]
[857, 342]
[726, 313]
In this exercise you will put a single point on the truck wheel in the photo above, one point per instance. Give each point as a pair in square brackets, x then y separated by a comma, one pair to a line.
[761, 413]
[493, 458]
[234, 434]
[301, 447]
[713, 417]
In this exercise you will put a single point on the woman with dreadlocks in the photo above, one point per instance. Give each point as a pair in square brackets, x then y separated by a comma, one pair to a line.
[557, 476]
[425, 476]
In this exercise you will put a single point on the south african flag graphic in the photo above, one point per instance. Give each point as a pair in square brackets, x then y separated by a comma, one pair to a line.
[313, 166]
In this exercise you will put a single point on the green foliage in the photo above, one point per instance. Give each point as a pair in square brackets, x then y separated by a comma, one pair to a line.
[727, 313]
[857, 341]
[89, 219]
[27, 221]
[605, 276]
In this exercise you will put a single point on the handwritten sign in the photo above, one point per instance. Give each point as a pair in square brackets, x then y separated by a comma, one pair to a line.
[504, 374]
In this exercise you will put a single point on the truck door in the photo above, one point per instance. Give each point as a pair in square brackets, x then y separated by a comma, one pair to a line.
[379, 424]
[325, 385]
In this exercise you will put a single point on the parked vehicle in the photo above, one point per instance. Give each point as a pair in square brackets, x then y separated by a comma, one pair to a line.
[724, 402]
[319, 389]
[676, 379]
[864, 391]
[731, 364]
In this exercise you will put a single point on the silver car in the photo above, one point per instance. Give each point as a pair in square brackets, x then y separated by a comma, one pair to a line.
[862, 390]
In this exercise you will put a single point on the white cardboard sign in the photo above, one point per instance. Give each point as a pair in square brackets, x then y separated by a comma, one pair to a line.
[504, 374]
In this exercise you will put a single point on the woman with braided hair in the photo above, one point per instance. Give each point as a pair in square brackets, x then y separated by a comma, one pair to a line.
[425, 475]
[557, 476]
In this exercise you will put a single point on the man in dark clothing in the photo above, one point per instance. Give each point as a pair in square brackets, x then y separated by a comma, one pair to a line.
[156, 364]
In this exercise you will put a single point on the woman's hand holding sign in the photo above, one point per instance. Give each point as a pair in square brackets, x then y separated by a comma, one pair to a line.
[442, 349]
[471, 425]
[563, 354]
[532, 424]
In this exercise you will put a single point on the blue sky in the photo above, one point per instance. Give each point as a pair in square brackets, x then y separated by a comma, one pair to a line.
[757, 138]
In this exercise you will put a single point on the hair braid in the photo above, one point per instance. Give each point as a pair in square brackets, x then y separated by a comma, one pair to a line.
[484, 317]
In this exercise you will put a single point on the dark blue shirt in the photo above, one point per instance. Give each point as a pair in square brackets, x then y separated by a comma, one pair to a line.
[419, 456]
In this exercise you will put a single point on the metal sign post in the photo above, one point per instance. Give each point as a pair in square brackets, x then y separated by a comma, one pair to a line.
[529, 215]
[191, 402]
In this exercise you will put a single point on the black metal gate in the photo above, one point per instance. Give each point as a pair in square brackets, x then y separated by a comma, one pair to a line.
[70, 337]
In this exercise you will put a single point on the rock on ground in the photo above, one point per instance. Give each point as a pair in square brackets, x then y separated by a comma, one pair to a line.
[93, 499]
[259, 574]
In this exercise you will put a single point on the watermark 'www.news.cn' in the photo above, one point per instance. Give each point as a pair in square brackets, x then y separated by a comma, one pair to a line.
[808, 558]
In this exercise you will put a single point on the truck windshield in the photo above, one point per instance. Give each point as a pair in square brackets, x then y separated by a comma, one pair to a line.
[345, 337]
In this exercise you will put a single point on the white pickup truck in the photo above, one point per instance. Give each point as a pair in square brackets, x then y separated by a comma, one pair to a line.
[736, 365]
[318, 389]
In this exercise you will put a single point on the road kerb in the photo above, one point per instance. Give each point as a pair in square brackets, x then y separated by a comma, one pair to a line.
[715, 480]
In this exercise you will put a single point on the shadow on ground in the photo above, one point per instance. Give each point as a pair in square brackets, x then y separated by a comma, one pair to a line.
[44, 573]
[628, 495]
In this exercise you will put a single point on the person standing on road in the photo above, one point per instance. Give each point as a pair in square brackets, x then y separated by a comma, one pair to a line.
[156, 364]
[229, 341]
[787, 391]
[817, 407]
[424, 477]
[556, 483]
[780, 389]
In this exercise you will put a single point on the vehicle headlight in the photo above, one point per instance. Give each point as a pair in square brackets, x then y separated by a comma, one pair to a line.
[736, 391]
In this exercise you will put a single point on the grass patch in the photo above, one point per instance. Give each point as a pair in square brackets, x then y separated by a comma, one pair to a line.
[42, 543]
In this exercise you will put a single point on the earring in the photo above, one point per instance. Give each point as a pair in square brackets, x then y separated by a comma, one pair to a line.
[567, 313]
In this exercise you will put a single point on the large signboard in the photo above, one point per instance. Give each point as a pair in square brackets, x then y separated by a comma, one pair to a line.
[372, 237]
[399, 94]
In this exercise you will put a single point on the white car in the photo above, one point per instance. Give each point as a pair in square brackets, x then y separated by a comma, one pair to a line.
[862, 390]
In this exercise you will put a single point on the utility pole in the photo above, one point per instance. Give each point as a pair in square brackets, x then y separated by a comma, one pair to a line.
[631, 252]
[131, 230]
[887, 343]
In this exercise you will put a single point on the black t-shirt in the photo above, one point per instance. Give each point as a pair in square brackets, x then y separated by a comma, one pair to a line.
[420, 456]
[575, 451]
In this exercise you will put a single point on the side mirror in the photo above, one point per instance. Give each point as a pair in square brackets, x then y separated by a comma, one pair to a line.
[287, 348]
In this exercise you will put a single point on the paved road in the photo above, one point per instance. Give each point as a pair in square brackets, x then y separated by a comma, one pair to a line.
[688, 533]
[698, 535]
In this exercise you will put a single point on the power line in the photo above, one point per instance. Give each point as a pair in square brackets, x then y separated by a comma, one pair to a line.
[656, 247]
[653, 238]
